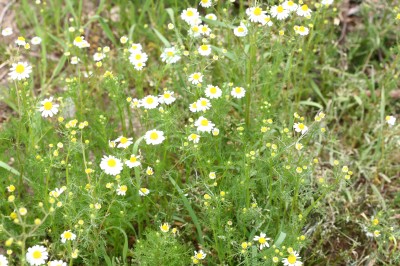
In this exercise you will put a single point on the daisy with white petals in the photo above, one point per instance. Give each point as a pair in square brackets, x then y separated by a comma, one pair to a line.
[204, 50]
[80, 42]
[111, 165]
[48, 107]
[240, 31]
[262, 240]
[36, 40]
[206, 3]
[290, 5]
[67, 236]
[167, 97]
[133, 161]
[279, 12]
[149, 102]
[194, 138]
[292, 259]
[238, 92]
[144, 191]
[255, 14]
[391, 120]
[304, 11]
[7, 31]
[203, 104]
[190, 16]
[121, 190]
[301, 30]
[20, 70]
[196, 78]
[20, 41]
[300, 127]
[204, 125]
[213, 92]
[3, 260]
[57, 263]
[123, 142]
[37, 255]
[170, 55]
[154, 137]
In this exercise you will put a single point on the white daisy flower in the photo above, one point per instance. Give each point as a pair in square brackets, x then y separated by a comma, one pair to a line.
[262, 240]
[138, 57]
[164, 227]
[154, 137]
[133, 161]
[238, 92]
[67, 235]
[98, 56]
[194, 108]
[327, 2]
[215, 131]
[36, 40]
[200, 255]
[56, 263]
[123, 142]
[144, 191]
[292, 260]
[204, 50]
[391, 120]
[213, 92]
[190, 16]
[111, 165]
[20, 70]
[206, 3]
[203, 104]
[20, 41]
[121, 190]
[267, 21]
[300, 127]
[301, 30]
[135, 103]
[194, 137]
[135, 47]
[123, 39]
[240, 31]
[149, 102]
[167, 97]
[170, 55]
[255, 14]
[290, 5]
[3, 259]
[211, 16]
[48, 108]
[37, 255]
[194, 31]
[279, 12]
[204, 125]
[304, 11]
[196, 78]
[7, 31]
[205, 30]
[80, 42]
[75, 60]
[139, 65]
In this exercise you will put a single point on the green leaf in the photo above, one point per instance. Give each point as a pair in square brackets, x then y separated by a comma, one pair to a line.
[281, 238]
[125, 248]
[13, 170]
[162, 38]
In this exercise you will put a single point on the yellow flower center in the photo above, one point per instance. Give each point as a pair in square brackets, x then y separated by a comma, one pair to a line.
[203, 103]
[149, 100]
[165, 227]
[304, 7]
[154, 135]
[301, 126]
[37, 254]
[112, 163]
[170, 53]
[213, 90]
[290, 3]
[280, 9]
[20, 69]
[47, 106]
[238, 90]
[138, 56]
[167, 95]
[123, 140]
[196, 76]
[190, 13]
[123, 188]
[204, 1]
[257, 11]
[302, 29]
[240, 29]
[204, 122]
[199, 256]
[195, 29]
[292, 259]
[204, 47]
[78, 39]
[193, 136]
[262, 240]
[144, 190]
[67, 235]
[21, 39]
[133, 159]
